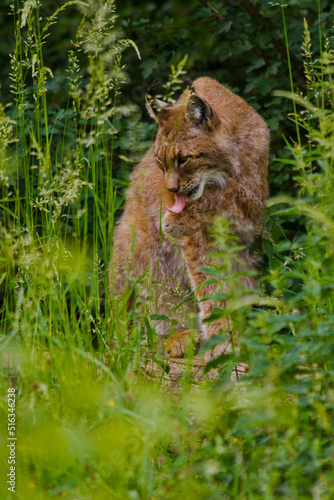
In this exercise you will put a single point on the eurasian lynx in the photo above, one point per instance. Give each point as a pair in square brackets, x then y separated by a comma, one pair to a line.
[209, 158]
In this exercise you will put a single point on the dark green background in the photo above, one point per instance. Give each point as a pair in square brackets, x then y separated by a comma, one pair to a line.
[238, 42]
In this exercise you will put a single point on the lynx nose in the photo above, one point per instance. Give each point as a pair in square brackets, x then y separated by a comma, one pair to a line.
[173, 189]
[173, 182]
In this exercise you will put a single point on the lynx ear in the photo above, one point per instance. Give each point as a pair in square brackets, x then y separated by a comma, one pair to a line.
[155, 107]
[201, 113]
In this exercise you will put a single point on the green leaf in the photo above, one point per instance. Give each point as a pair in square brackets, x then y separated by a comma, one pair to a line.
[159, 317]
[213, 342]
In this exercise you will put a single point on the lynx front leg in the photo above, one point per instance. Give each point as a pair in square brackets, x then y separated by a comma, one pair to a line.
[190, 226]
[196, 250]
[220, 326]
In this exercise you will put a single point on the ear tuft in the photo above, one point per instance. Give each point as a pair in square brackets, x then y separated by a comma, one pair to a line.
[188, 84]
[153, 87]
[155, 107]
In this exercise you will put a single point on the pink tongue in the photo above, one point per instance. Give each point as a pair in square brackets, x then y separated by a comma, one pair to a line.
[180, 201]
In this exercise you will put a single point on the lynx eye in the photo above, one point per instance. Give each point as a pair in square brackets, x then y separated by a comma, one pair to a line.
[182, 160]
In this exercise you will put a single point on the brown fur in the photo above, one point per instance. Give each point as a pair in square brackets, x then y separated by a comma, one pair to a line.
[225, 144]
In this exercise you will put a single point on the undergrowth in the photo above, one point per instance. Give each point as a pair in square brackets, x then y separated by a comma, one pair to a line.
[90, 424]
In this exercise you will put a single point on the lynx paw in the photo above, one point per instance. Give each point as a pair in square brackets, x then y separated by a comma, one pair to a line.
[180, 342]
[182, 224]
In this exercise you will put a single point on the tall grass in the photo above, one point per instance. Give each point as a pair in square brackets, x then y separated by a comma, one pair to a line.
[59, 206]
[90, 423]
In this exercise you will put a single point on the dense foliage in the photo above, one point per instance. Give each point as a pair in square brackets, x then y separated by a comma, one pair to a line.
[89, 421]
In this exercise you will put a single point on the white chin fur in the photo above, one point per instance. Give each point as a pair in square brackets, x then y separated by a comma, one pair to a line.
[215, 177]
[198, 193]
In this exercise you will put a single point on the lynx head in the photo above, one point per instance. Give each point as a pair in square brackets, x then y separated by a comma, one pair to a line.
[188, 147]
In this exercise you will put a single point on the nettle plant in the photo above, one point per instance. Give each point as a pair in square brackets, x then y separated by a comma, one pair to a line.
[288, 322]
[293, 328]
